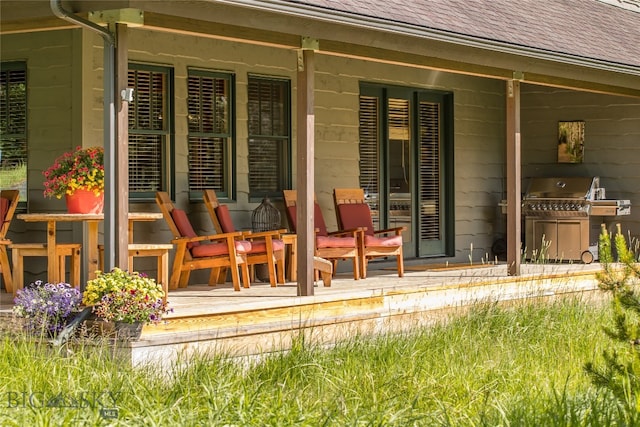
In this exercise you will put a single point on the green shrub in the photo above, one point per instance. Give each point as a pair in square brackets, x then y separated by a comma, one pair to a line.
[619, 369]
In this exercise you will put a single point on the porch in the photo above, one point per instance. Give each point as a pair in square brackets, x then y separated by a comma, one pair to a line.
[263, 319]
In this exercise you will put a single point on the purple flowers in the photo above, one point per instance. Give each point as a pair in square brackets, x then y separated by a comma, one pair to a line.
[46, 307]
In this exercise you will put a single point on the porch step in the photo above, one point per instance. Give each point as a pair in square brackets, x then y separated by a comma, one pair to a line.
[253, 329]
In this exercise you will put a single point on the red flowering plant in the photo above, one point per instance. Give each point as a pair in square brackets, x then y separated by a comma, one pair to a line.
[79, 169]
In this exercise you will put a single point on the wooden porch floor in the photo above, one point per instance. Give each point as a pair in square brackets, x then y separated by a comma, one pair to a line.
[264, 319]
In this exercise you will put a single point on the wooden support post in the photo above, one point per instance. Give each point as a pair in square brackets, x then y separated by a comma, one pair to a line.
[122, 150]
[305, 171]
[514, 225]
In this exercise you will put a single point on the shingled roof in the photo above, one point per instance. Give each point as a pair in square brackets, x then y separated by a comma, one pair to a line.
[590, 29]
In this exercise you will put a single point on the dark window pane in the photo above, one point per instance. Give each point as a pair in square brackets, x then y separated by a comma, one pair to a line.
[148, 129]
[269, 142]
[13, 127]
[206, 163]
[145, 163]
[209, 112]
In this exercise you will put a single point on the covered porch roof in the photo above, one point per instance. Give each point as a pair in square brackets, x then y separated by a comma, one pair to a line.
[581, 44]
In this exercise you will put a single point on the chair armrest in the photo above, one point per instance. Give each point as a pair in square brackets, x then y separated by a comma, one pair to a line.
[348, 232]
[221, 236]
[396, 230]
[262, 234]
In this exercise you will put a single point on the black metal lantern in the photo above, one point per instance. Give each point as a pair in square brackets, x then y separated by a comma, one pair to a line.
[265, 217]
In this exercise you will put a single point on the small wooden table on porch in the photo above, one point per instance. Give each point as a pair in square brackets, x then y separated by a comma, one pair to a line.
[322, 265]
[92, 221]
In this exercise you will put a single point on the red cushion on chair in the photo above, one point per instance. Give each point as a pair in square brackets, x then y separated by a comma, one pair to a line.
[391, 241]
[219, 248]
[209, 250]
[355, 215]
[224, 218]
[319, 220]
[278, 245]
[335, 242]
[243, 246]
[260, 246]
[291, 215]
[4, 208]
[184, 226]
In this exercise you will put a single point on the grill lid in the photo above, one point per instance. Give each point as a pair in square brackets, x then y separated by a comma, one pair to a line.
[580, 188]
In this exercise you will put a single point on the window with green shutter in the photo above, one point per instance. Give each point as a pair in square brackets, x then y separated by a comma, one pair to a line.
[211, 132]
[150, 130]
[13, 127]
[269, 111]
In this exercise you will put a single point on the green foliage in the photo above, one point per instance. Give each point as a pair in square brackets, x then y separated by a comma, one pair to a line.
[13, 176]
[619, 369]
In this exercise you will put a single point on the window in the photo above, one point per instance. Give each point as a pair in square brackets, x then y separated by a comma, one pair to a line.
[13, 127]
[211, 132]
[269, 112]
[150, 130]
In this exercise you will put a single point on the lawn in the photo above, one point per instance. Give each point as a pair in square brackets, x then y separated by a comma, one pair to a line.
[511, 366]
[14, 177]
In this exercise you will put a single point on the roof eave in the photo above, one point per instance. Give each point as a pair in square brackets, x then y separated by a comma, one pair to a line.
[371, 23]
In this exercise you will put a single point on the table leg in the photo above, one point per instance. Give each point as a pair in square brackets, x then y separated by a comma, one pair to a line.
[291, 243]
[92, 249]
[293, 261]
[52, 258]
[131, 231]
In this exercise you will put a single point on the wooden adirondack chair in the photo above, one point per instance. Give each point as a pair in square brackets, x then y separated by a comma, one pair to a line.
[266, 246]
[353, 211]
[193, 252]
[332, 246]
[8, 204]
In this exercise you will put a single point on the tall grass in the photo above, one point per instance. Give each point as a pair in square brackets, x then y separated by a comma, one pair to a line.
[13, 176]
[517, 366]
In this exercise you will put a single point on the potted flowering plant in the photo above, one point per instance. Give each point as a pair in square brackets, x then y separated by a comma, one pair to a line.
[77, 174]
[46, 307]
[126, 299]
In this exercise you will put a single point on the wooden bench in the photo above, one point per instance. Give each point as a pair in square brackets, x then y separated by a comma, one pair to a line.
[325, 268]
[158, 250]
[21, 250]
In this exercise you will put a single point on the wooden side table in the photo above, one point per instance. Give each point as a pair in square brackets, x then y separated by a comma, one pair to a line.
[291, 247]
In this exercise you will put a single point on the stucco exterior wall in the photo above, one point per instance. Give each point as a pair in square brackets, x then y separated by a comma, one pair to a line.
[612, 143]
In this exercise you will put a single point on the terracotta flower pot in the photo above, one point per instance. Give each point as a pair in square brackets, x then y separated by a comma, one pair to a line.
[85, 202]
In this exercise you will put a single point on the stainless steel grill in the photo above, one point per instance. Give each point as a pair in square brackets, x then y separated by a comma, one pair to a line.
[558, 212]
